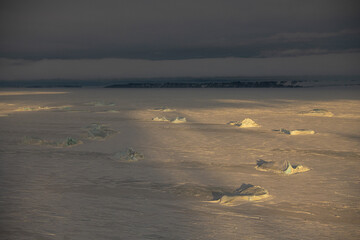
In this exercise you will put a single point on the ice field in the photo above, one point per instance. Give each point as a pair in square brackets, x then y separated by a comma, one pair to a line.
[93, 163]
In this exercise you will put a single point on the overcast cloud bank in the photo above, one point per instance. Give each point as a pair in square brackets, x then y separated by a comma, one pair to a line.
[167, 38]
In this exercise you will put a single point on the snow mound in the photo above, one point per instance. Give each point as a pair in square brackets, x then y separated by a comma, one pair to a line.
[99, 131]
[163, 109]
[246, 123]
[128, 155]
[282, 167]
[317, 112]
[246, 192]
[160, 119]
[297, 131]
[179, 120]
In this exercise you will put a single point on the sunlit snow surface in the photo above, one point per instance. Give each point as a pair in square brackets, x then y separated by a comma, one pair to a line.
[51, 189]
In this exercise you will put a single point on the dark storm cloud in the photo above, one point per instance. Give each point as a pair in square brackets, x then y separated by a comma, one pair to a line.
[167, 29]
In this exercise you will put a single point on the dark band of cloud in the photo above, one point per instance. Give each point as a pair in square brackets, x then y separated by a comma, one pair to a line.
[87, 69]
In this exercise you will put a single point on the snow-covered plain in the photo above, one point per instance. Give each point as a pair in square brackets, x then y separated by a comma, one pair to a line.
[172, 191]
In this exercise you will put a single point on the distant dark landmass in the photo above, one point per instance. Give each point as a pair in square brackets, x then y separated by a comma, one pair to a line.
[237, 84]
[191, 82]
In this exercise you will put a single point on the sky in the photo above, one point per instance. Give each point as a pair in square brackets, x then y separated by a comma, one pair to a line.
[87, 39]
